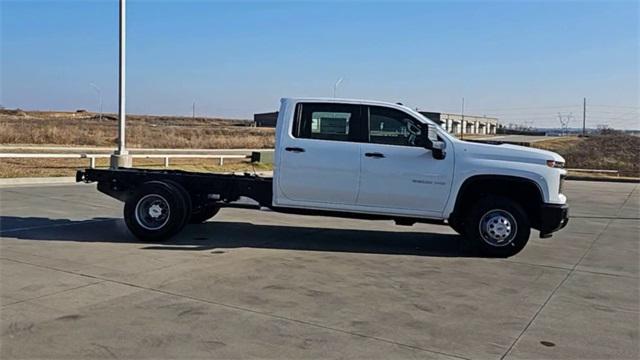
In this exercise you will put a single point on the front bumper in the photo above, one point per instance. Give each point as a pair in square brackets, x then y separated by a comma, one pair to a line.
[553, 217]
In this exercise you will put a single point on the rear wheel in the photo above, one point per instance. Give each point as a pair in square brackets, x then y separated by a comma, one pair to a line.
[187, 200]
[498, 226]
[156, 211]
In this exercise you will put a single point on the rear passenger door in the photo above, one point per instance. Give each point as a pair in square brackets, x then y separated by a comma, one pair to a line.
[320, 157]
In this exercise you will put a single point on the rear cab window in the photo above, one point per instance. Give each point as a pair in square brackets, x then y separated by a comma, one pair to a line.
[327, 121]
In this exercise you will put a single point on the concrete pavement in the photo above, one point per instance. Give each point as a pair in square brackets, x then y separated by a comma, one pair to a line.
[257, 284]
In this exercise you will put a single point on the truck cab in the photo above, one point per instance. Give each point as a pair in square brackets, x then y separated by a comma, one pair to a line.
[359, 156]
[364, 159]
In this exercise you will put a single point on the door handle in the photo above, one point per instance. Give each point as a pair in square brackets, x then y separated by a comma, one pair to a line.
[374, 155]
[294, 149]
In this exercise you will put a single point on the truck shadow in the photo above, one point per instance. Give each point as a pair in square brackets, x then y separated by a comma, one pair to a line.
[221, 236]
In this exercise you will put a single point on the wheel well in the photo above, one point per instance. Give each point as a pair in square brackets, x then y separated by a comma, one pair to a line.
[524, 191]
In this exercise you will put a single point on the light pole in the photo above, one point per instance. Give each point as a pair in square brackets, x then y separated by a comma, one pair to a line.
[121, 156]
[99, 98]
[335, 87]
[462, 129]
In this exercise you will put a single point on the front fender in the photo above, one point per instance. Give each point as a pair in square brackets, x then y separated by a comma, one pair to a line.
[483, 169]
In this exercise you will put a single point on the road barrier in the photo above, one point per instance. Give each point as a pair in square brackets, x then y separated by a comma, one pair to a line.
[596, 171]
[92, 157]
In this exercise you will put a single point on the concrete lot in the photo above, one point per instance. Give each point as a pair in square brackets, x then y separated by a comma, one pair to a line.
[75, 284]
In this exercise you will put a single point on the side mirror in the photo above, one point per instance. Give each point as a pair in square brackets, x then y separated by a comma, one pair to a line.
[434, 144]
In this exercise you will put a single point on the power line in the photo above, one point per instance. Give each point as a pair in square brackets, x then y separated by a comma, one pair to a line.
[612, 112]
[531, 108]
[617, 106]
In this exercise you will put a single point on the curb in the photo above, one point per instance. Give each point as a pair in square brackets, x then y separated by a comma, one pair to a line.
[37, 181]
[611, 179]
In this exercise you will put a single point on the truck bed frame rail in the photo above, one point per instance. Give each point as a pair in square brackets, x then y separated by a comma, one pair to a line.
[203, 188]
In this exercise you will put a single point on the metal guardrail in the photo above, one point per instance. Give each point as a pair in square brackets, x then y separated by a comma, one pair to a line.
[108, 150]
[92, 157]
[596, 171]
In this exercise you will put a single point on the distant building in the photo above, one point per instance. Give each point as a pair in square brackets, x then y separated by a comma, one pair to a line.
[453, 123]
[472, 124]
[265, 119]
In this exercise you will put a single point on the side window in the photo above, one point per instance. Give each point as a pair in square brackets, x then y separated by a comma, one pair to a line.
[326, 121]
[394, 127]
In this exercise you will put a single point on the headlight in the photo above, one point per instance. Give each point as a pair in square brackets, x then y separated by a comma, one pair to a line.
[555, 164]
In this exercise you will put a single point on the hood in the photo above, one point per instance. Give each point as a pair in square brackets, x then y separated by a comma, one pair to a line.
[508, 152]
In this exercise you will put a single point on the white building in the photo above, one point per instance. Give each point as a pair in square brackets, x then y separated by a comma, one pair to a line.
[468, 124]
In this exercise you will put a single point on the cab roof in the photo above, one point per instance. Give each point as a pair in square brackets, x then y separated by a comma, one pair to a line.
[345, 101]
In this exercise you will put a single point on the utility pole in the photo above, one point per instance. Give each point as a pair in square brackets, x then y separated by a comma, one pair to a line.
[121, 157]
[462, 121]
[584, 116]
[194, 110]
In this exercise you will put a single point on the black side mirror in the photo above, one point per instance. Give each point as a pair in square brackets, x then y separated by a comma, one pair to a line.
[432, 142]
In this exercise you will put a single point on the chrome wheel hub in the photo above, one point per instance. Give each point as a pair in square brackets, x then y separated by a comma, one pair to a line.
[498, 228]
[152, 212]
[155, 211]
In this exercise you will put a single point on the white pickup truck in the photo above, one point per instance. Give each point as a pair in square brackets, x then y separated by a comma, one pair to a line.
[363, 159]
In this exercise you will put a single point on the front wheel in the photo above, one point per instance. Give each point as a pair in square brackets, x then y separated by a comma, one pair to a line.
[498, 226]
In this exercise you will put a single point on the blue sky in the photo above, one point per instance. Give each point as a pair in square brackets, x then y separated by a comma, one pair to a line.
[520, 61]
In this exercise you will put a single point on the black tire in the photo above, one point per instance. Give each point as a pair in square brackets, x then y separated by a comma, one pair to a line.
[205, 213]
[187, 198]
[156, 211]
[498, 226]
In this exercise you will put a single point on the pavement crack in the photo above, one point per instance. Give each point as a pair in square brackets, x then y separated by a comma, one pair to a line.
[53, 293]
[569, 269]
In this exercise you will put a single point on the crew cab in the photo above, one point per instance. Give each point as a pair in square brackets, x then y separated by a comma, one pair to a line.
[362, 159]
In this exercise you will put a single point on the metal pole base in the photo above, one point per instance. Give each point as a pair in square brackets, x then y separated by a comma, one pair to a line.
[120, 161]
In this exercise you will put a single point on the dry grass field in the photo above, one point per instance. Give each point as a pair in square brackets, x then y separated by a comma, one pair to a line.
[607, 152]
[66, 128]
[84, 128]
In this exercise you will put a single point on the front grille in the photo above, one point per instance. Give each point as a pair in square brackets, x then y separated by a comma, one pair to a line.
[562, 178]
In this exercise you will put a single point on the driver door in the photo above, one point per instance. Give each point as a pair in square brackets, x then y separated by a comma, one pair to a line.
[398, 175]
